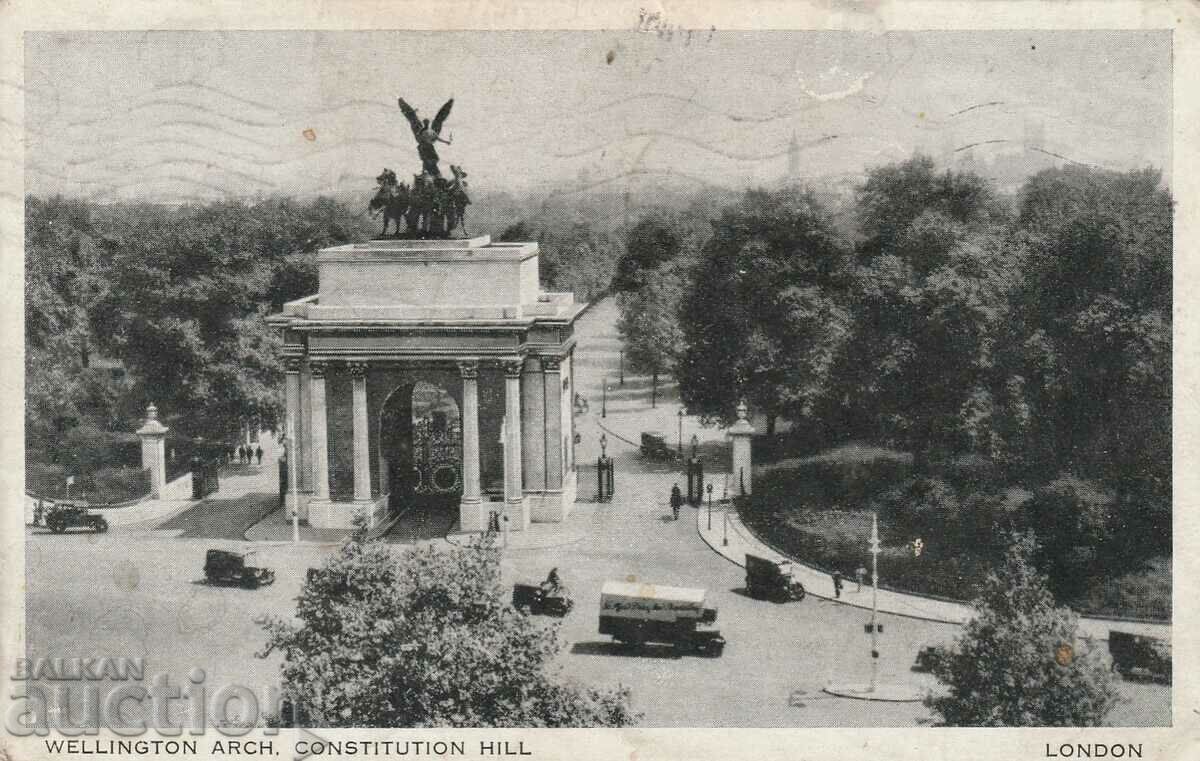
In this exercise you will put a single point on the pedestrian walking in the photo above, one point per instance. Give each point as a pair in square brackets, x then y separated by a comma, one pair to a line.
[676, 501]
[860, 574]
[837, 584]
[241, 454]
[258, 454]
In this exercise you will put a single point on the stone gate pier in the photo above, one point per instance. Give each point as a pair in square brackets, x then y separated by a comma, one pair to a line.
[430, 370]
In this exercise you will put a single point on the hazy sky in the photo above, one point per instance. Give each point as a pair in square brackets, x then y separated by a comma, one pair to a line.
[198, 114]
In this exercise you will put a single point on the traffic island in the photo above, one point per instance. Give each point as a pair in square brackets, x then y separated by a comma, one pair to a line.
[887, 692]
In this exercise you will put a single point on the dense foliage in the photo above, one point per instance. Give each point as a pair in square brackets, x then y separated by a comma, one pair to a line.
[1018, 347]
[1018, 663]
[426, 639]
[132, 303]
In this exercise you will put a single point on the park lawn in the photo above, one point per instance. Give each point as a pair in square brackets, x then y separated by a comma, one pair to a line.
[818, 510]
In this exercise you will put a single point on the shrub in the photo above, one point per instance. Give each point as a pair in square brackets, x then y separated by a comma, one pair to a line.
[426, 639]
[1016, 663]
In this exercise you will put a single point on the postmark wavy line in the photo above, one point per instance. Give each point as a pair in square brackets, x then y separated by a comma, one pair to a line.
[657, 134]
[222, 190]
[184, 142]
[174, 103]
[224, 133]
[691, 102]
[45, 171]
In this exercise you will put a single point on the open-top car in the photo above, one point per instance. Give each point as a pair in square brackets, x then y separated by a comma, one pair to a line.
[64, 515]
[235, 568]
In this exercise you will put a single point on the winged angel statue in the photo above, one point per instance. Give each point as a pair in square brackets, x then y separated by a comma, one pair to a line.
[427, 134]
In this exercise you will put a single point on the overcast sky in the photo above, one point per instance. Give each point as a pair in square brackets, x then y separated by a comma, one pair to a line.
[183, 115]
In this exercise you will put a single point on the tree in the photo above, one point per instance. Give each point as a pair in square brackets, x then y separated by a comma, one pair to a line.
[426, 639]
[649, 324]
[1016, 663]
[763, 316]
[652, 242]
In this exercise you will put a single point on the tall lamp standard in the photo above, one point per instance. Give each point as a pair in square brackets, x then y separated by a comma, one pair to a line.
[622, 366]
[604, 399]
[681, 413]
[603, 446]
[695, 443]
[710, 507]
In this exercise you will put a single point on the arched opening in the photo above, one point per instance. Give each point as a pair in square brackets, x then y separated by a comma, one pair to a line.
[421, 447]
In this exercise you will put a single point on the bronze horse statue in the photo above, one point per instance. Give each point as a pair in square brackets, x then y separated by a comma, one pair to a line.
[392, 198]
[432, 208]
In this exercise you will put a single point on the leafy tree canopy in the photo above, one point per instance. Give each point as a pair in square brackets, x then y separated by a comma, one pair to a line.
[1019, 663]
[426, 639]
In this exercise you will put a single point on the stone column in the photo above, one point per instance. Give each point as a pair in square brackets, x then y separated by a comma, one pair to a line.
[514, 496]
[320, 438]
[740, 432]
[362, 446]
[154, 458]
[470, 512]
[555, 451]
[292, 398]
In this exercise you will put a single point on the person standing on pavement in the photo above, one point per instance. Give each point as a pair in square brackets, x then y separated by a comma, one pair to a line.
[860, 574]
[676, 501]
[258, 453]
[837, 585]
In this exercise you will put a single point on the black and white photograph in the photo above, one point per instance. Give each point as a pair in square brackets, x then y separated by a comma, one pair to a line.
[654, 377]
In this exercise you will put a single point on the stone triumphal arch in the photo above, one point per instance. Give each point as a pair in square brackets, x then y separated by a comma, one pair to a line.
[430, 369]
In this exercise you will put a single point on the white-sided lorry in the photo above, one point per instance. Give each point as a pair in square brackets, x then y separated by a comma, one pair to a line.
[636, 613]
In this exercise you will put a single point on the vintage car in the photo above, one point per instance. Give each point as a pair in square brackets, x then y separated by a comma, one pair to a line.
[64, 515]
[550, 598]
[636, 614]
[235, 568]
[769, 580]
[654, 447]
[928, 658]
[1139, 656]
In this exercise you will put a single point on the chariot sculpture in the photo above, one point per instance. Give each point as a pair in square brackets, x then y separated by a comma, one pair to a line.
[432, 207]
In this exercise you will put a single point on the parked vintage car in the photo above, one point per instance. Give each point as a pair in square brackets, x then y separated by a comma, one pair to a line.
[1136, 655]
[928, 658]
[67, 514]
[235, 568]
[769, 580]
[639, 613]
[550, 598]
[654, 447]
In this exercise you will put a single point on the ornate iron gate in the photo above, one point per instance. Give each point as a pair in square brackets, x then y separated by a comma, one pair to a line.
[437, 455]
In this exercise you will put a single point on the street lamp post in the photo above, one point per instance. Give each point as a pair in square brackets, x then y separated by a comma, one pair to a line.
[710, 507]
[874, 599]
[681, 431]
[622, 367]
[725, 526]
[604, 399]
[695, 443]
[603, 446]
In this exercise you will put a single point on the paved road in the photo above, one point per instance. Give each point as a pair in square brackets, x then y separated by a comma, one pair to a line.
[135, 594]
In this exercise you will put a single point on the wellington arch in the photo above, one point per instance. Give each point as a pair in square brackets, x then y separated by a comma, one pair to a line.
[430, 370]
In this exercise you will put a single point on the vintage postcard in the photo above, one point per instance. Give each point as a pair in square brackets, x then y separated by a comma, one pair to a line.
[638, 381]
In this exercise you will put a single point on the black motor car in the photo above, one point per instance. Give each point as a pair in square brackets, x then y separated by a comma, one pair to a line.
[64, 515]
[235, 568]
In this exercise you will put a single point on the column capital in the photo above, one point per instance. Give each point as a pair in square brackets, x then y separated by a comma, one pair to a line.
[468, 369]
[318, 369]
[512, 367]
[357, 369]
[292, 365]
[551, 363]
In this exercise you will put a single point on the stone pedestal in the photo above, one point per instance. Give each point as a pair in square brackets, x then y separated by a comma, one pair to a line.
[740, 433]
[154, 459]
